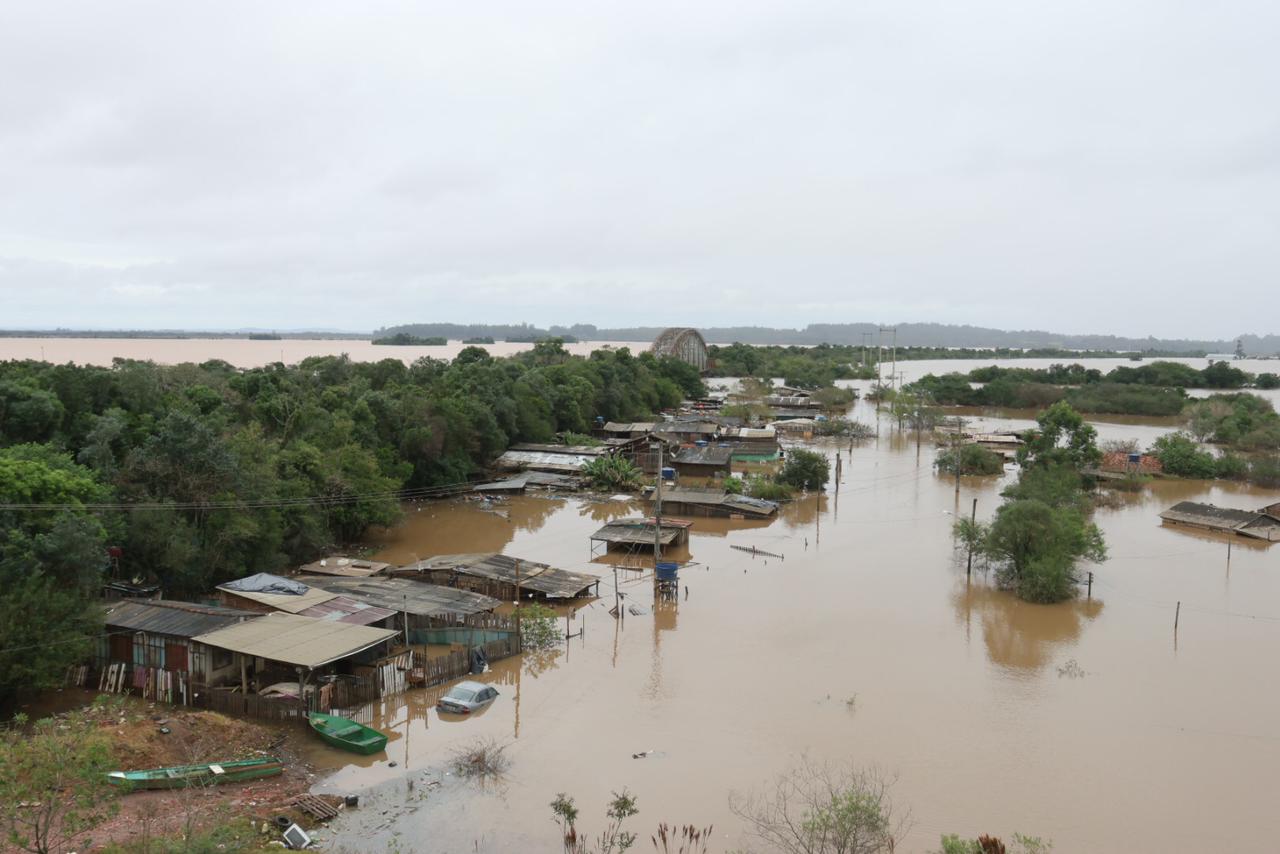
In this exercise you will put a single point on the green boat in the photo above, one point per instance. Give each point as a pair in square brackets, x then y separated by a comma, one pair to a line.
[347, 734]
[182, 776]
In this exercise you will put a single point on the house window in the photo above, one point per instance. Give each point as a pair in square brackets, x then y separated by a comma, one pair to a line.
[221, 658]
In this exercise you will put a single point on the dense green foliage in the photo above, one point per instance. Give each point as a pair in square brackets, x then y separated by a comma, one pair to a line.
[204, 473]
[973, 459]
[1042, 529]
[404, 339]
[1151, 389]
[613, 473]
[802, 367]
[805, 470]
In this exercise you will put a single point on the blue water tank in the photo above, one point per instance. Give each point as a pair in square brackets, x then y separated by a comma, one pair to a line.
[668, 473]
[668, 571]
[701, 443]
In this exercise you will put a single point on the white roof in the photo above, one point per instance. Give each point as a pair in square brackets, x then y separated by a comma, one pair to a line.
[285, 601]
[297, 640]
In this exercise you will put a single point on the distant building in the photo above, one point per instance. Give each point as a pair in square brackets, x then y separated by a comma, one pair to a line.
[1257, 525]
[687, 345]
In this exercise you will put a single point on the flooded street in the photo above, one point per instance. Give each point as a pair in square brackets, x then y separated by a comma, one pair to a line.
[1083, 722]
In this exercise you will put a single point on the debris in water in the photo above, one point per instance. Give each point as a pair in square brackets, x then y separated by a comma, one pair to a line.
[1072, 669]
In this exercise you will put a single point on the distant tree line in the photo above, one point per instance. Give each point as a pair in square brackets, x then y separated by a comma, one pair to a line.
[1154, 389]
[203, 473]
[930, 335]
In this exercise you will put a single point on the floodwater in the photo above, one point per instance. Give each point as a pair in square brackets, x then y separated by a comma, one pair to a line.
[245, 353]
[1087, 722]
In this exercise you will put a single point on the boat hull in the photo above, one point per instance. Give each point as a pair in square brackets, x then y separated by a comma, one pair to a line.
[187, 776]
[346, 734]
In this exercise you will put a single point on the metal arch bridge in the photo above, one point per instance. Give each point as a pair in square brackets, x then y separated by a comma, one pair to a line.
[684, 344]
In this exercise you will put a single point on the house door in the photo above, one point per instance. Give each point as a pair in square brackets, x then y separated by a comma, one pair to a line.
[122, 647]
[175, 656]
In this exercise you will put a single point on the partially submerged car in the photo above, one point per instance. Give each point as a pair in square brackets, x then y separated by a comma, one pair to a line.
[467, 697]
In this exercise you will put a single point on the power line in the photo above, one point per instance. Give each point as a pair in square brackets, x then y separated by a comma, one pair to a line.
[252, 503]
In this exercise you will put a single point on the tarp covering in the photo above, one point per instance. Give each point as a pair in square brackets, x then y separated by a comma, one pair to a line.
[265, 582]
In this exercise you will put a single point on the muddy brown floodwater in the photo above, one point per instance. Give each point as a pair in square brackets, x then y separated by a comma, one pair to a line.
[1085, 722]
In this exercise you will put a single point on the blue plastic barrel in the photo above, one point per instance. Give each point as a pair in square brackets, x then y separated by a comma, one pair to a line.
[668, 474]
[668, 571]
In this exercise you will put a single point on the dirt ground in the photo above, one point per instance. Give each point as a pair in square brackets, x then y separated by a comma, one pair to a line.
[146, 735]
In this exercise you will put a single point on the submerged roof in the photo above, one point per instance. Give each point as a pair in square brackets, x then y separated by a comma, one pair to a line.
[345, 566]
[416, 597]
[1248, 523]
[640, 531]
[297, 640]
[283, 594]
[708, 456]
[178, 619]
[538, 577]
[715, 498]
[628, 427]
[555, 461]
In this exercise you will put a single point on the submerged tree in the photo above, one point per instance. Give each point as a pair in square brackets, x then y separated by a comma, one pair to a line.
[822, 808]
[805, 470]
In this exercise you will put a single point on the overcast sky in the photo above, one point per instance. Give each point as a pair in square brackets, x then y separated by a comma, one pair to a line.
[1078, 166]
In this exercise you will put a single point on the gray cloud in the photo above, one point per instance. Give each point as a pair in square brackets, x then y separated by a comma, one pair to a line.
[1083, 167]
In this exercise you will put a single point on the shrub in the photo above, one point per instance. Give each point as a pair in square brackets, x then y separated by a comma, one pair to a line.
[973, 459]
[845, 427]
[539, 627]
[734, 485]
[614, 473]
[1265, 471]
[1181, 456]
[759, 486]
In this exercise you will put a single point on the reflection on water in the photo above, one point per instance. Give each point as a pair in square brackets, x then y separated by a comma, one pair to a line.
[953, 682]
[1017, 634]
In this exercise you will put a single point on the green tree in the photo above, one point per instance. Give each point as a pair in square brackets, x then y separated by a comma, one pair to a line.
[53, 784]
[613, 473]
[805, 469]
[972, 458]
[1181, 456]
[1061, 438]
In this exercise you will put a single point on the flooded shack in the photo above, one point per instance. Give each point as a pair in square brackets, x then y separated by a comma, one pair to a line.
[265, 593]
[556, 459]
[1254, 524]
[639, 533]
[289, 648]
[703, 462]
[716, 502]
[499, 575]
[348, 567]
[530, 479]
[429, 612]
[150, 646]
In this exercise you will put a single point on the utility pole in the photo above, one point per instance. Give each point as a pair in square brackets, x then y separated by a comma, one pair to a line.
[973, 519]
[657, 525]
[955, 449]
[519, 636]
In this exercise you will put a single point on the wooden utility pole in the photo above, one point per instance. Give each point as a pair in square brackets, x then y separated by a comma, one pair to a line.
[404, 601]
[519, 636]
[1089, 594]
[955, 450]
[657, 525]
[973, 518]
[1177, 611]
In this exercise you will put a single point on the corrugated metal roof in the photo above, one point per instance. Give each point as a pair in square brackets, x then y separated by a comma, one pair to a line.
[544, 460]
[297, 640]
[709, 456]
[284, 601]
[416, 597]
[538, 577]
[177, 619]
[344, 609]
[628, 427]
[735, 503]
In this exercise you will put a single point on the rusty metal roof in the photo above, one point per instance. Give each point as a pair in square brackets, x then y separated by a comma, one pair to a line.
[177, 619]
